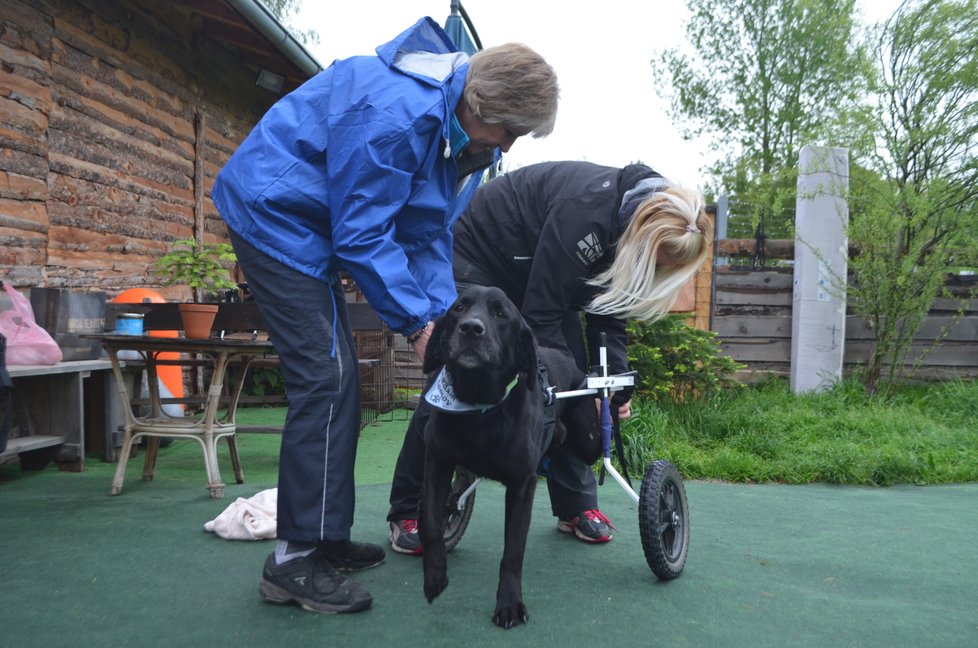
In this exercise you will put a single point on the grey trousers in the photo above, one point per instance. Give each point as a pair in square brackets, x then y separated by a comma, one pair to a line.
[308, 323]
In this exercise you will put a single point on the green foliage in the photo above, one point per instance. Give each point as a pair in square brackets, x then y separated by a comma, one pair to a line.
[771, 76]
[915, 434]
[204, 267]
[674, 360]
[264, 381]
[286, 11]
[768, 77]
[913, 208]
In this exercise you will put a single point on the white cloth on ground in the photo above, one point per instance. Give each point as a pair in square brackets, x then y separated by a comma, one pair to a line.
[253, 518]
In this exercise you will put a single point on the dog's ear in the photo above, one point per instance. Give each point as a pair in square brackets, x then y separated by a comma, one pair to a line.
[433, 356]
[527, 350]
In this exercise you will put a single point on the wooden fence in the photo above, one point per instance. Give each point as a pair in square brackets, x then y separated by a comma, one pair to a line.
[752, 316]
[750, 310]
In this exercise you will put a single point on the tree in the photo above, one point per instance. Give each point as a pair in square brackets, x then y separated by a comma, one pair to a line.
[914, 208]
[286, 11]
[769, 77]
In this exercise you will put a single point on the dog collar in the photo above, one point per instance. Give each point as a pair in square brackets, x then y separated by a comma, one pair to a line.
[441, 396]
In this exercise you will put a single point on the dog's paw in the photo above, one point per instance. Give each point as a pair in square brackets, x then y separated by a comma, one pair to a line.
[435, 570]
[510, 616]
[434, 584]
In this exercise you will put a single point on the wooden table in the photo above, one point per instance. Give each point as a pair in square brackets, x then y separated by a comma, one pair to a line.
[206, 428]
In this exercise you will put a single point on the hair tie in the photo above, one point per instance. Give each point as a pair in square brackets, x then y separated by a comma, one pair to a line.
[692, 228]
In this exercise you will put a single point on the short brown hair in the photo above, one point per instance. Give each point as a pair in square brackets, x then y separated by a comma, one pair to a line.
[513, 85]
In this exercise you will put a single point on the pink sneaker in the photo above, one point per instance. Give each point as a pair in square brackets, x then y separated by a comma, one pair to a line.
[590, 526]
[405, 538]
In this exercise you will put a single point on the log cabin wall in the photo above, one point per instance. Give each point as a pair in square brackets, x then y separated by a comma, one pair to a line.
[115, 117]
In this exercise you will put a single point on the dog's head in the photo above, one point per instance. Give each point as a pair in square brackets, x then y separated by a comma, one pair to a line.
[484, 343]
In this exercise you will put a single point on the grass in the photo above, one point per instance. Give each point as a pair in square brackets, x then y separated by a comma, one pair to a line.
[918, 434]
[921, 434]
[260, 416]
[377, 450]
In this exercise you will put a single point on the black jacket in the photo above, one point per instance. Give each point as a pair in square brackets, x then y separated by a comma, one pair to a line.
[540, 233]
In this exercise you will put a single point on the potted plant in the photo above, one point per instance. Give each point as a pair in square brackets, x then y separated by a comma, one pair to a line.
[203, 267]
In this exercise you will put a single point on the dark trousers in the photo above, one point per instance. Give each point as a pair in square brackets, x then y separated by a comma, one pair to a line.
[570, 482]
[308, 322]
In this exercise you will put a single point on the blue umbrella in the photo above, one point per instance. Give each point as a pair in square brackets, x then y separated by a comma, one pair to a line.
[458, 26]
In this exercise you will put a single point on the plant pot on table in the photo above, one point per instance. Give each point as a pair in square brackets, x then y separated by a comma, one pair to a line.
[198, 319]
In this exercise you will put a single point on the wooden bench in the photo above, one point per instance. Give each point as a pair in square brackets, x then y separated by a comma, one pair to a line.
[48, 407]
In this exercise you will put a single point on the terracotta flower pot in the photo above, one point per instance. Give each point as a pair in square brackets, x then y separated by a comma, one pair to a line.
[198, 320]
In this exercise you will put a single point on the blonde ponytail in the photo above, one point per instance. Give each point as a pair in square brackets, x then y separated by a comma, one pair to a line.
[671, 222]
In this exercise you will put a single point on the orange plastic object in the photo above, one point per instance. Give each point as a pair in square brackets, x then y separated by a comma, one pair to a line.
[170, 375]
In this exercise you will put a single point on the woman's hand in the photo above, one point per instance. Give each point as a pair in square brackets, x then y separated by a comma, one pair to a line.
[419, 341]
[624, 410]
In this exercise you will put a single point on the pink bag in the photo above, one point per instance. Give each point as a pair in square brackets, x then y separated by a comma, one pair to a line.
[27, 342]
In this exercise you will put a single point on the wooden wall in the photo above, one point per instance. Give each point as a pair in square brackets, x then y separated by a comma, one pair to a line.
[115, 116]
[752, 316]
[695, 297]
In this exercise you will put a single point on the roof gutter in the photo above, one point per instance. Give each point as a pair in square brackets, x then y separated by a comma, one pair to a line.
[269, 27]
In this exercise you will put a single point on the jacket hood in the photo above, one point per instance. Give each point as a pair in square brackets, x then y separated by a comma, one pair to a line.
[425, 52]
[636, 182]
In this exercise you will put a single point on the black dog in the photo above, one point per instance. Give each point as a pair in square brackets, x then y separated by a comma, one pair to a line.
[489, 359]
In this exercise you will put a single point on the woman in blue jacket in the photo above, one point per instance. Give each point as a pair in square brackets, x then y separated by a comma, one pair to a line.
[363, 169]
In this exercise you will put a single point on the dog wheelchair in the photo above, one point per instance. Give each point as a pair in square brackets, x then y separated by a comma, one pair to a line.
[663, 512]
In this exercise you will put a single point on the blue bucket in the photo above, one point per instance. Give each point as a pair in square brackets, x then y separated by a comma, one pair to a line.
[129, 324]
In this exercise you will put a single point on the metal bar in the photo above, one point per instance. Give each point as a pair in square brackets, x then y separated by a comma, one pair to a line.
[621, 480]
[576, 392]
[468, 491]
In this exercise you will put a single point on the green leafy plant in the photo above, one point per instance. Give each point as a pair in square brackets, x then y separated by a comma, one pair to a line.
[202, 267]
[677, 361]
[265, 381]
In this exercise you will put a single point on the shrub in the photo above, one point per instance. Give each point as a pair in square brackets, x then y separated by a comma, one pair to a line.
[676, 361]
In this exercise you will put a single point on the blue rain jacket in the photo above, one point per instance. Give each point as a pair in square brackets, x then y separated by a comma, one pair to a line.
[350, 172]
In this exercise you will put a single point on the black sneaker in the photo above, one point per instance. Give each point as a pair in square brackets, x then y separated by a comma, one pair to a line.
[346, 555]
[590, 526]
[405, 538]
[311, 582]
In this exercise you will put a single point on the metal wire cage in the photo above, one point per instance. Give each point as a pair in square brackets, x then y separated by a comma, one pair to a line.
[375, 351]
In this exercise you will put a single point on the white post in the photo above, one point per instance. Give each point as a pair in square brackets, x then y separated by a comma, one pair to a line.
[818, 314]
[723, 214]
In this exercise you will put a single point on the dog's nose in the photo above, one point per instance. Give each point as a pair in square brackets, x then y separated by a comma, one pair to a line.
[472, 326]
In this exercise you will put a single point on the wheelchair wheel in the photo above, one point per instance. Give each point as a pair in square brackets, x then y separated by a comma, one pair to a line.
[663, 519]
[457, 520]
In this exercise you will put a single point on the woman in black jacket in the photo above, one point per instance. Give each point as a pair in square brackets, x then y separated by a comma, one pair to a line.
[562, 239]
